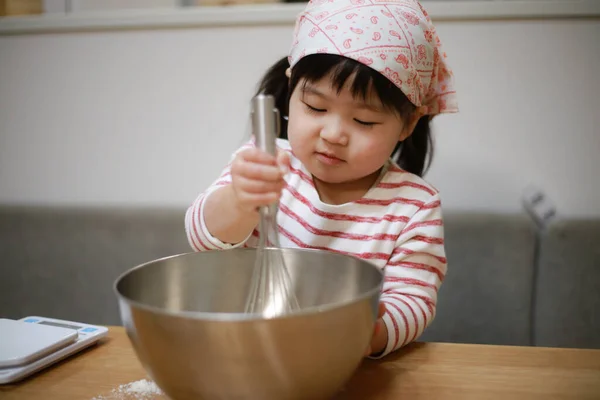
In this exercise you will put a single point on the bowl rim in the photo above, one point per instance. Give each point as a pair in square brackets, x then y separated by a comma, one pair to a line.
[242, 316]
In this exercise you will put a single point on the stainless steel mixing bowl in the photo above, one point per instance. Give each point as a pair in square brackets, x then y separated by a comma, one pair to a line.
[184, 316]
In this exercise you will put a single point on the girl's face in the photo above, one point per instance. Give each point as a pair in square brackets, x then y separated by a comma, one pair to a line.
[342, 140]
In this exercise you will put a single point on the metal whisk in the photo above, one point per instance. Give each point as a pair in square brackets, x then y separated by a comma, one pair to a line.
[271, 289]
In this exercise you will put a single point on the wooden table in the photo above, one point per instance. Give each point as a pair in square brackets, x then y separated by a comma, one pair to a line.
[419, 371]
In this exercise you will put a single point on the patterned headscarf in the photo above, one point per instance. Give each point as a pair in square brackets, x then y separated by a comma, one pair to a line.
[394, 37]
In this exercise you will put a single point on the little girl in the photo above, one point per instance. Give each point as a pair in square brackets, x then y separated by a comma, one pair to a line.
[356, 93]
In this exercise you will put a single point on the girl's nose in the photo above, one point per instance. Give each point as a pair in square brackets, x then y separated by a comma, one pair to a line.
[333, 133]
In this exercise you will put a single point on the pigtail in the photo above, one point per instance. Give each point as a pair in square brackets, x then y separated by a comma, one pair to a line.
[416, 152]
[276, 83]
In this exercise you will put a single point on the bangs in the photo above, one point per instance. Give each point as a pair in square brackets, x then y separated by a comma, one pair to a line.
[365, 81]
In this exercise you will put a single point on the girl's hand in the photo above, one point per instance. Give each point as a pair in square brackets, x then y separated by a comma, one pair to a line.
[380, 334]
[257, 178]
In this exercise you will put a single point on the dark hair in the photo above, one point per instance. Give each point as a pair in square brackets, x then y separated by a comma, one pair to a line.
[414, 154]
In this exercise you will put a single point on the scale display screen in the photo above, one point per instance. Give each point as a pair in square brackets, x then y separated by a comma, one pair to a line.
[60, 325]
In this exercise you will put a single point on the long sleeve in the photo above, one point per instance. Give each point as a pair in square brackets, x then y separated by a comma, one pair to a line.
[199, 238]
[413, 276]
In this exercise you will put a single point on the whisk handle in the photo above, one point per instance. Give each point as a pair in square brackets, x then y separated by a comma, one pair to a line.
[265, 122]
[266, 126]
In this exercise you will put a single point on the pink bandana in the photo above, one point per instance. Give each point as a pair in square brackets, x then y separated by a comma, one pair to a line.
[394, 37]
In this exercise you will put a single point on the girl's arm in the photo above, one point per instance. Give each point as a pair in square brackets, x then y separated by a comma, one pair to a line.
[225, 215]
[225, 220]
[199, 236]
[413, 277]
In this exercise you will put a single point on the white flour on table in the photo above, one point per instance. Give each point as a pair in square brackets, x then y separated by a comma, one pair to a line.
[139, 390]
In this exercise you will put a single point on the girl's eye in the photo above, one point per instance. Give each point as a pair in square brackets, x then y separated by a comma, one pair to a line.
[311, 108]
[366, 123]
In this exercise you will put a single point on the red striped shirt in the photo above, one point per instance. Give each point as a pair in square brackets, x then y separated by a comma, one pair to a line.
[397, 226]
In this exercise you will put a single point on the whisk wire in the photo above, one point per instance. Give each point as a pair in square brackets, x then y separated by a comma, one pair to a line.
[271, 289]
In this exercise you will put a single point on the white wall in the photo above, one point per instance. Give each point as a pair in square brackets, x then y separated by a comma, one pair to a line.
[149, 117]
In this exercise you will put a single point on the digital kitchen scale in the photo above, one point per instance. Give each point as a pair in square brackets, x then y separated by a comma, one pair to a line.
[33, 343]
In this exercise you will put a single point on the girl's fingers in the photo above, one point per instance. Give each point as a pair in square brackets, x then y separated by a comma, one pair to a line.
[256, 171]
[257, 177]
[252, 201]
[283, 160]
[258, 156]
[378, 326]
[244, 184]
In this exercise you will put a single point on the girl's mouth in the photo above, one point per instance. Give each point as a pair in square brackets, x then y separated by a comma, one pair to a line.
[328, 159]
